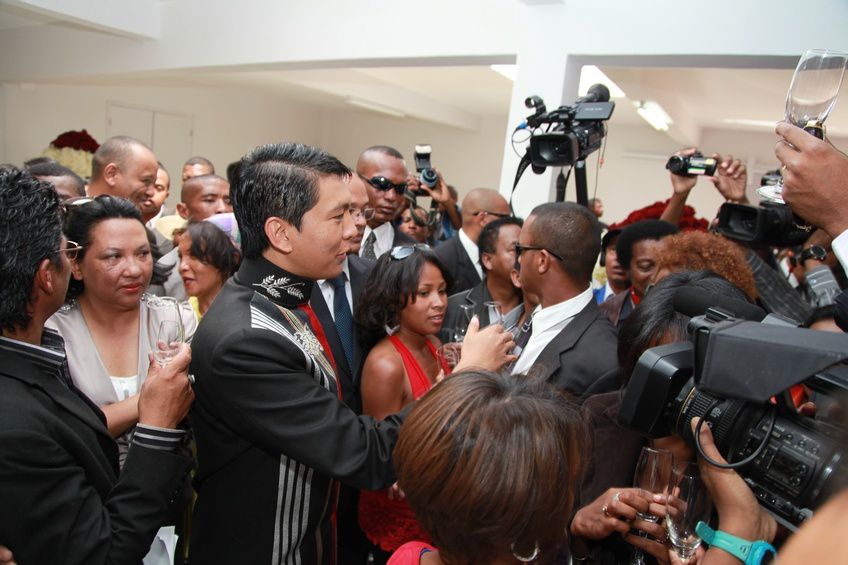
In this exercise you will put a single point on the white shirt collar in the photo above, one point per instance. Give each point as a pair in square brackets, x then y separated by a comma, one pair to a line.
[385, 235]
[471, 250]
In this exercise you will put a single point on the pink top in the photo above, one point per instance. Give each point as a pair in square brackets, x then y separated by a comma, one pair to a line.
[410, 553]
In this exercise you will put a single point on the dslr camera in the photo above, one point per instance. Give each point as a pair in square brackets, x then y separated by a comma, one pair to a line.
[427, 175]
[692, 165]
[572, 132]
[735, 375]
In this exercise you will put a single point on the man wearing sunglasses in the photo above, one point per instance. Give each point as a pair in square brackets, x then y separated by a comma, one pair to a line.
[63, 498]
[459, 253]
[384, 173]
[571, 341]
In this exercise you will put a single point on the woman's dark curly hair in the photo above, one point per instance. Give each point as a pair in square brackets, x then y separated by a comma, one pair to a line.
[392, 284]
[212, 246]
[82, 217]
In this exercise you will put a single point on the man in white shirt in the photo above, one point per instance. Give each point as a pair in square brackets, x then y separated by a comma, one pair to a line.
[572, 344]
[384, 172]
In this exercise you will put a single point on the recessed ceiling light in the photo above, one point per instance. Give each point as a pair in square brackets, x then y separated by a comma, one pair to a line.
[654, 114]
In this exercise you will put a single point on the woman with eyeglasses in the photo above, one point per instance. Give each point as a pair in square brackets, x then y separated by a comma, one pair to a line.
[103, 322]
[400, 313]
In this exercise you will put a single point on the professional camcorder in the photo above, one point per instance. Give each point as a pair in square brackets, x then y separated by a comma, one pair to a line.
[573, 132]
[735, 375]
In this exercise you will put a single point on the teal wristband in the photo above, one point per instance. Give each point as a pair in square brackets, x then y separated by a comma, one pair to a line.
[749, 552]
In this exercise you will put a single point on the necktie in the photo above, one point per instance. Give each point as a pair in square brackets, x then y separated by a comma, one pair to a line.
[368, 251]
[523, 336]
[343, 318]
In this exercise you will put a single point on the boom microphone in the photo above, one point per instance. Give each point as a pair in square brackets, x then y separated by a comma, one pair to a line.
[596, 93]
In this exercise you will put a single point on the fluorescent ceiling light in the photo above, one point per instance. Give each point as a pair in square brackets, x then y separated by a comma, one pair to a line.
[374, 107]
[768, 124]
[653, 113]
[508, 71]
[590, 74]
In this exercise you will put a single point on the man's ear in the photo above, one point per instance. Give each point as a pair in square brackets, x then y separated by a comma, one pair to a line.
[486, 261]
[110, 174]
[182, 210]
[277, 231]
[46, 277]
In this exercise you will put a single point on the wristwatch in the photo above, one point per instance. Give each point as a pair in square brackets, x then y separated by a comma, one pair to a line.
[749, 552]
[816, 252]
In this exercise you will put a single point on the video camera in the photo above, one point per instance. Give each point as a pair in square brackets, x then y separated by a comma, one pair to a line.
[573, 131]
[736, 375]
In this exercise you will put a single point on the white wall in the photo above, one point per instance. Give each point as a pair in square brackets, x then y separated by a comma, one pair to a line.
[227, 122]
[466, 159]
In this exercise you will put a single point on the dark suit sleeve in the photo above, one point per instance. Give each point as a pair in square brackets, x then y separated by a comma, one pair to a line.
[73, 524]
[266, 397]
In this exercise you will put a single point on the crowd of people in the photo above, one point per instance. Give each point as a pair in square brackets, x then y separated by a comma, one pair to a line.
[364, 379]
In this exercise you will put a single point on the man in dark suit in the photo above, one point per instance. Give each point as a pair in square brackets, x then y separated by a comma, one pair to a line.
[497, 257]
[459, 253]
[63, 498]
[572, 344]
[384, 172]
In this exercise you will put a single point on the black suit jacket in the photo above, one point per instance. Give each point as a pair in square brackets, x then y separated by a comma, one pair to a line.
[359, 268]
[581, 354]
[61, 496]
[475, 297]
[458, 263]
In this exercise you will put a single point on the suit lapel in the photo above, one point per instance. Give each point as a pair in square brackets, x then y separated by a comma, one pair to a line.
[565, 340]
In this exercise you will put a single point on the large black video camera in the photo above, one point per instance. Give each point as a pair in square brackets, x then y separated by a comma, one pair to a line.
[736, 376]
[573, 131]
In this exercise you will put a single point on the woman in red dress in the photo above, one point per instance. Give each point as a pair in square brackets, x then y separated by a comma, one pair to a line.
[400, 313]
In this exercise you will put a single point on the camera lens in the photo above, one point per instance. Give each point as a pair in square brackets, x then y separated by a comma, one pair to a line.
[429, 177]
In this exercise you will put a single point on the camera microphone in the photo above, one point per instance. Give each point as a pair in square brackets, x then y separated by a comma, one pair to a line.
[694, 302]
[596, 93]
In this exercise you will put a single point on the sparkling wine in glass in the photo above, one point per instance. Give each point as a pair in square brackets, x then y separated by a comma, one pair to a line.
[653, 475]
[493, 311]
[688, 503]
[466, 312]
[812, 95]
[164, 325]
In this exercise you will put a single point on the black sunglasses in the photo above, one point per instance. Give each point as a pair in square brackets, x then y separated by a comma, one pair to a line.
[401, 252]
[384, 184]
[488, 213]
[521, 248]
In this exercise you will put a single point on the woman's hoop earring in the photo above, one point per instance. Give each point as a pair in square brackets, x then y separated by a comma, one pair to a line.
[525, 558]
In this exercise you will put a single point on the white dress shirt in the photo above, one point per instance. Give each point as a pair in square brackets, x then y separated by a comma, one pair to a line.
[547, 323]
[472, 251]
[385, 234]
[329, 292]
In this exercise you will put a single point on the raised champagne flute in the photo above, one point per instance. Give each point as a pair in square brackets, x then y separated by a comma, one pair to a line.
[688, 503]
[653, 475]
[164, 326]
[812, 95]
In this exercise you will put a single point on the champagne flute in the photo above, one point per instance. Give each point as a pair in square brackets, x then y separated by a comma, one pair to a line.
[812, 95]
[653, 475]
[493, 311]
[688, 503]
[466, 312]
[164, 325]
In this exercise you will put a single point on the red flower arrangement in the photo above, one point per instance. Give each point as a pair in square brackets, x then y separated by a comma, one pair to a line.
[76, 140]
[688, 222]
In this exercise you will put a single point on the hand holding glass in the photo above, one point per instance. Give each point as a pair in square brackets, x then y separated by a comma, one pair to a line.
[653, 473]
[165, 331]
[688, 503]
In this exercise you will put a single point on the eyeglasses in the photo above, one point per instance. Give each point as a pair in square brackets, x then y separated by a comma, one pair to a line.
[366, 213]
[401, 252]
[72, 251]
[488, 213]
[519, 249]
[383, 184]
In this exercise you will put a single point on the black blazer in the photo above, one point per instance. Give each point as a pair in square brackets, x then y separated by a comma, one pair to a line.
[359, 268]
[63, 501]
[458, 263]
[476, 297]
[583, 352]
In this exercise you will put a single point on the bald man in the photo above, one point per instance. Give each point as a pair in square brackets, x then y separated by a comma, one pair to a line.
[459, 253]
[124, 167]
[204, 196]
[384, 172]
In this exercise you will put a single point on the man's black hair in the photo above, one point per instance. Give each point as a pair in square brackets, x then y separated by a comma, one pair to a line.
[30, 231]
[198, 160]
[54, 169]
[487, 242]
[279, 180]
[571, 231]
[640, 231]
